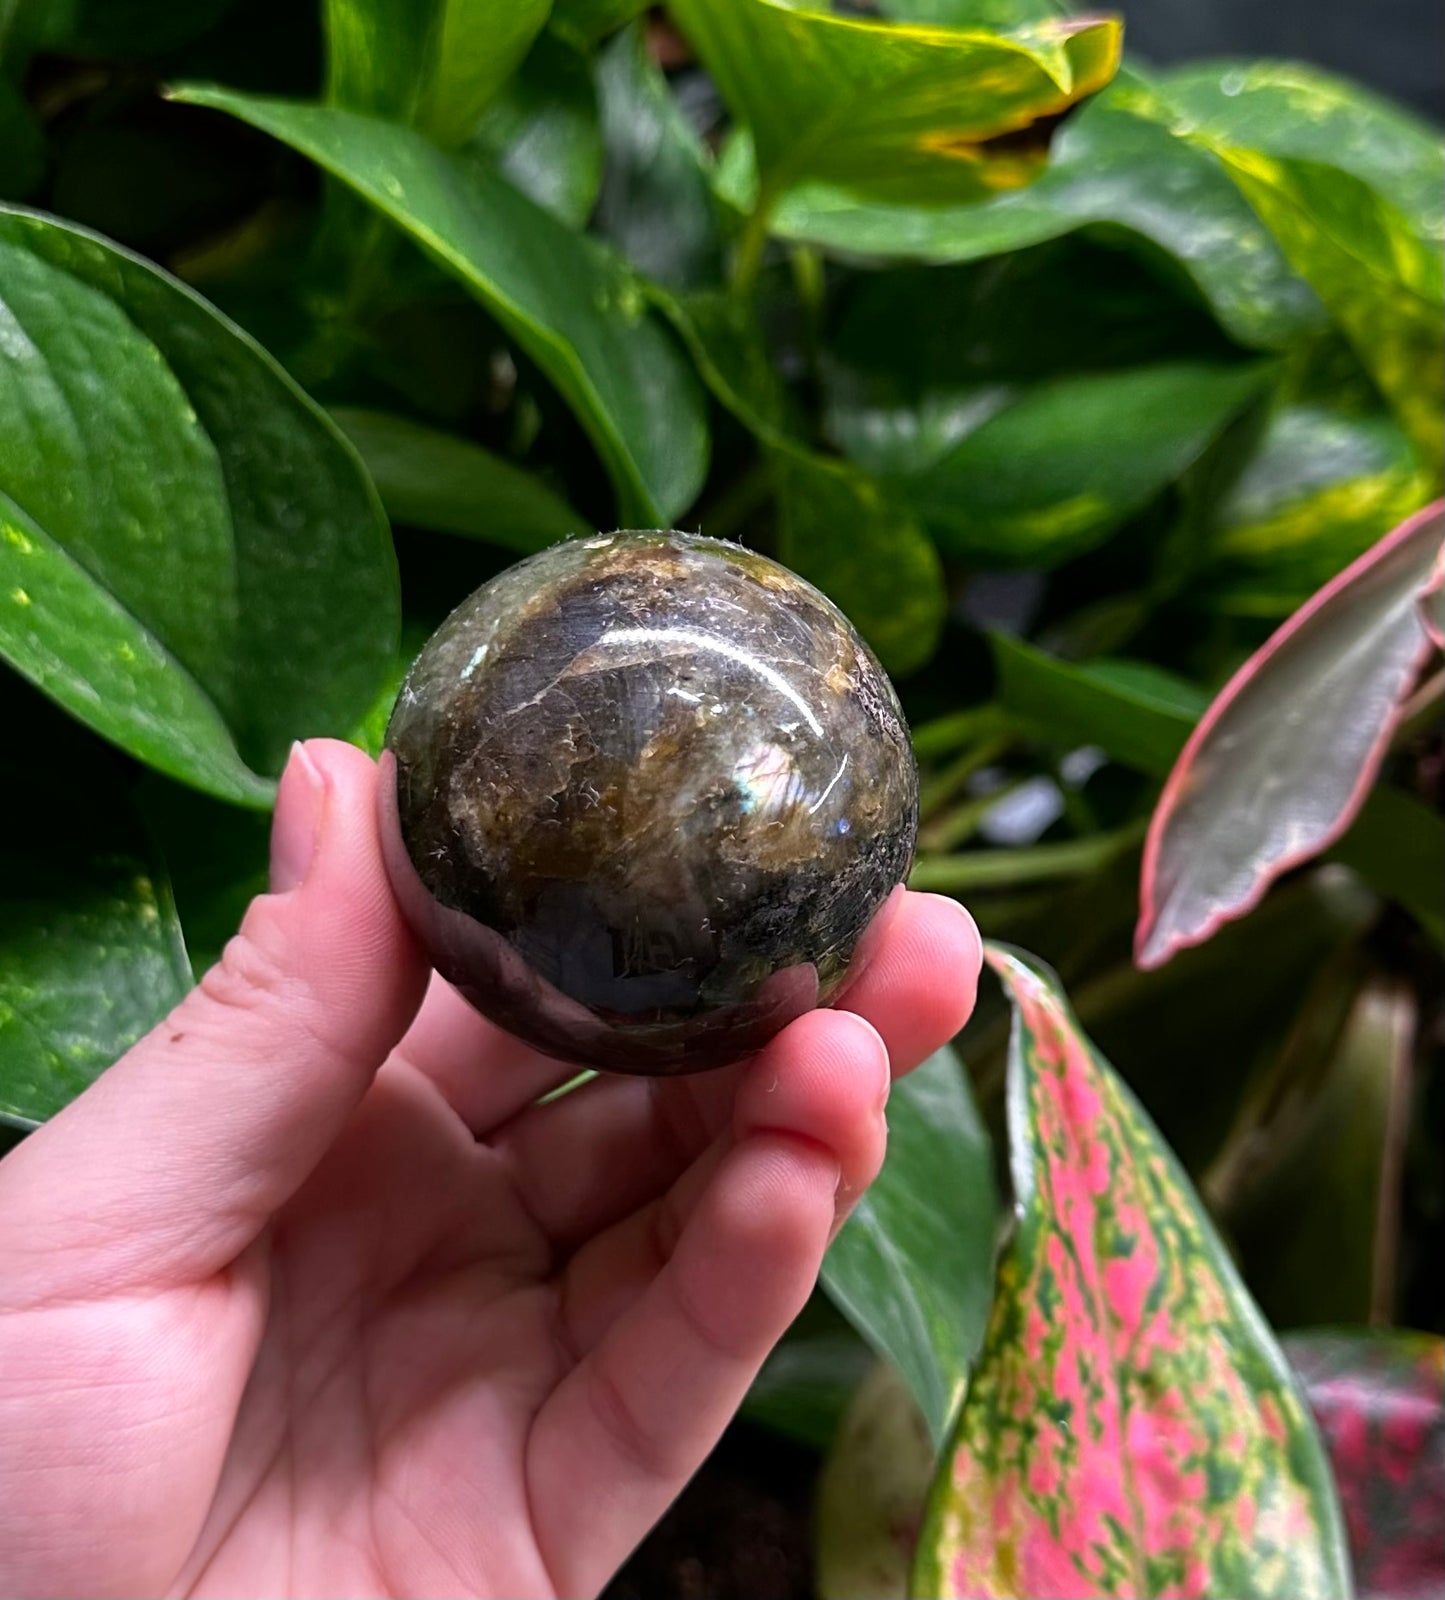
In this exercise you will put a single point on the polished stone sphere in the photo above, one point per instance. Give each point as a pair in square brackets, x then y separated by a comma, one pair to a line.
[643, 796]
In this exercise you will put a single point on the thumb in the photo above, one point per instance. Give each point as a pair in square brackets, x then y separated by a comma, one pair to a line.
[168, 1166]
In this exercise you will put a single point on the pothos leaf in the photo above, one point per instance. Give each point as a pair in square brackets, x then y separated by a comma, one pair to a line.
[1132, 1428]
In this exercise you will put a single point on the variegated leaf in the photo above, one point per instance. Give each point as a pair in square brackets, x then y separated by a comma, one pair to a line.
[1132, 1428]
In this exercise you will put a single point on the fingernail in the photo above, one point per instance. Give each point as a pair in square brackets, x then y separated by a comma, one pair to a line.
[296, 827]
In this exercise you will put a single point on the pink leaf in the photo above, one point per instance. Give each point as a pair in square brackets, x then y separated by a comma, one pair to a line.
[1282, 761]
[1131, 1427]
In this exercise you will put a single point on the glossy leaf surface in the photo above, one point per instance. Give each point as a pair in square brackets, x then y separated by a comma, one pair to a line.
[1320, 489]
[913, 1265]
[840, 530]
[91, 954]
[892, 110]
[434, 64]
[542, 131]
[1381, 279]
[193, 561]
[1254, 793]
[1114, 162]
[437, 480]
[1379, 1397]
[657, 203]
[1059, 468]
[1132, 1427]
[573, 307]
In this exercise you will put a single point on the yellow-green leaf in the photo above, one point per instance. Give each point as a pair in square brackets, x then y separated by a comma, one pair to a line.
[897, 111]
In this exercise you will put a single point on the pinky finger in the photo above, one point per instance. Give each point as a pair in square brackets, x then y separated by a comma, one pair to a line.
[636, 1417]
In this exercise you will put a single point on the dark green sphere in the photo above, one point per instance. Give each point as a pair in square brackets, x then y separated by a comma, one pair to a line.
[644, 796]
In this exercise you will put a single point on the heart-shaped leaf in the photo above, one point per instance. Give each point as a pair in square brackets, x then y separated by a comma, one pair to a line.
[1131, 1428]
[1320, 489]
[1056, 469]
[568, 302]
[1253, 792]
[841, 531]
[1285, 108]
[434, 64]
[91, 954]
[1381, 279]
[913, 1265]
[893, 111]
[1379, 1396]
[436, 480]
[543, 132]
[1116, 162]
[193, 561]
[657, 203]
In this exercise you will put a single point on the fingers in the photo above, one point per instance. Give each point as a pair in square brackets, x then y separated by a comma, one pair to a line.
[169, 1165]
[826, 1081]
[600, 1153]
[634, 1419]
[920, 986]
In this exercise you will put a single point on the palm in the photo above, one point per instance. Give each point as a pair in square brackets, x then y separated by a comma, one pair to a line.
[410, 1340]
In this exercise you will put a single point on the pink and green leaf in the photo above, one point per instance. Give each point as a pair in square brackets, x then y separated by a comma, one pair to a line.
[1259, 789]
[1132, 1428]
[1379, 1398]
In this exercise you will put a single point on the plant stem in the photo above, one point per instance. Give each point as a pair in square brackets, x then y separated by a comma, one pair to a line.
[941, 789]
[952, 828]
[753, 241]
[943, 735]
[988, 869]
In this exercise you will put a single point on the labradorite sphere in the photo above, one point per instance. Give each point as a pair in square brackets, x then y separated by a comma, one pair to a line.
[643, 797]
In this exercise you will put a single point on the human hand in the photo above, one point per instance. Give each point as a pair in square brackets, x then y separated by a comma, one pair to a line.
[306, 1295]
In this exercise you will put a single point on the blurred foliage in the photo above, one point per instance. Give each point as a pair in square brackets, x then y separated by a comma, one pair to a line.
[1069, 380]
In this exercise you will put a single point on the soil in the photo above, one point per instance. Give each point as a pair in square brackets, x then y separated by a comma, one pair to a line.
[741, 1530]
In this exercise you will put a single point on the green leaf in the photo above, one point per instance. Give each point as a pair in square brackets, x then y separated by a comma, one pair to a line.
[1382, 282]
[1255, 793]
[889, 110]
[972, 13]
[840, 529]
[806, 1384]
[1284, 108]
[1379, 1397]
[911, 1267]
[216, 860]
[1132, 1428]
[870, 1492]
[1309, 1190]
[590, 20]
[1136, 712]
[1114, 164]
[193, 561]
[1060, 467]
[569, 304]
[91, 955]
[1320, 489]
[436, 480]
[434, 64]
[543, 133]
[1397, 845]
[657, 204]
[920, 357]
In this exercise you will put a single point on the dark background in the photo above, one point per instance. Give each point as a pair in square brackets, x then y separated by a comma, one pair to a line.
[1397, 46]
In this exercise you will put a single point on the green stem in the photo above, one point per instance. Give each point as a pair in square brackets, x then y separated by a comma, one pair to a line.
[989, 869]
[943, 735]
[950, 830]
[941, 789]
[752, 242]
